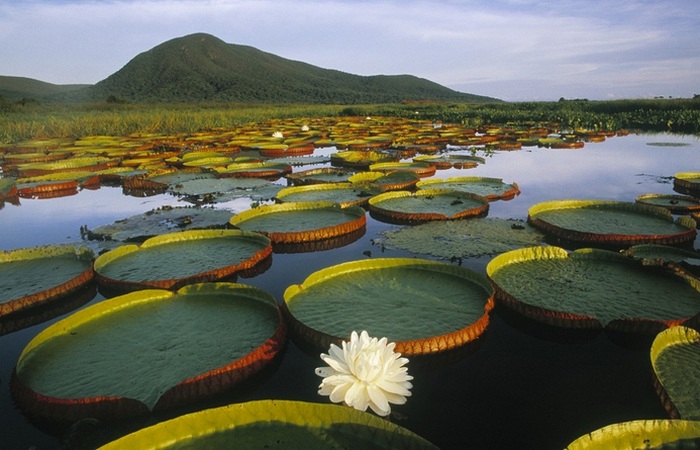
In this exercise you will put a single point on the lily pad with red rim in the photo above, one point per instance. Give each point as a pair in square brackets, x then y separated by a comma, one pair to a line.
[490, 188]
[148, 350]
[169, 261]
[301, 222]
[592, 289]
[610, 223]
[35, 276]
[425, 307]
[405, 207]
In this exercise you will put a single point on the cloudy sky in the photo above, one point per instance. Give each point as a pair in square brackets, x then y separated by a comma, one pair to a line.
[510, 49]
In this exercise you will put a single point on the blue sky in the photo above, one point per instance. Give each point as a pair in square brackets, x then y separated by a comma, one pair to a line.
[510, 49]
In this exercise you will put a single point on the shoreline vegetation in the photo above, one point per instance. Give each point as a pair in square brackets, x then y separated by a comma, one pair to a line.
[21, 121]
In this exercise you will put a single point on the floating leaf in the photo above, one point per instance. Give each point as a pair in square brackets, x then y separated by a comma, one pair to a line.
[490, 188]
[34, 276]
[641, 434]
[149, 350]
[675, 358]
[161, 221]
[427, 204]
[344, 194]
[175, 259]
[275, 424]
[462, 238]
[423, 306]
[610, 223]
[592, 288]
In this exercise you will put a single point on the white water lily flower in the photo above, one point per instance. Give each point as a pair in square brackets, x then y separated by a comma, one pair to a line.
[277, 134]
[365, 372]
[304, 128]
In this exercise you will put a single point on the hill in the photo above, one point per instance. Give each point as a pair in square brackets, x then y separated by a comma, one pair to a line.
[203, 68]
[20, 88]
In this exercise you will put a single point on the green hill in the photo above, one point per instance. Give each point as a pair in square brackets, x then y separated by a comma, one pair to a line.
[203, 68]
[20, 88]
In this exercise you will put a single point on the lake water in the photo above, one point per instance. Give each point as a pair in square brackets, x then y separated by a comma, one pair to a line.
[518, 390]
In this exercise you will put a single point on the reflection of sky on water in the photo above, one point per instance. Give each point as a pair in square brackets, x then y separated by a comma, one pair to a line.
[618, 169]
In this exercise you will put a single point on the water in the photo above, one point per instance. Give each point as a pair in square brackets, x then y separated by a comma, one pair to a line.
[518, 390]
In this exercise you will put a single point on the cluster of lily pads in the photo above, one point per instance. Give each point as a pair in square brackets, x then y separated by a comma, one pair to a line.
[171, 272]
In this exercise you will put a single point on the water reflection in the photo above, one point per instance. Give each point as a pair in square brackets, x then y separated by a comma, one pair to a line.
[516, 391]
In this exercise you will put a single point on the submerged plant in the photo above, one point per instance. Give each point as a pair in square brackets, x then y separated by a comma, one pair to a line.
[365, 372]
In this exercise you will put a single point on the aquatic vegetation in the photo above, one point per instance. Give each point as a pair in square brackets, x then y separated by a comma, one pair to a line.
[592, 289]
[271, 423]
[425, 307]
[610, 223]
[148, 350]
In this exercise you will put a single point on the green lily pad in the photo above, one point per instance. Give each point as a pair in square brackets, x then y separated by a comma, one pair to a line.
[424, 306]
[301, 222]
[677, 204]
[175, 259]
[610, 223]
[423, 169]
[675, 358]
[490, 188]
[225, 189]
[641, 434]
[360, 159]
[254, 170]
[591, 288]
[426, 205]
[160, 221]
[300, 160]
[392, 181]
[35, 276]
[149, 350]
[687, 183]
[321, 175]
[462, 238]
[447, 160]
[344, 194]
[275, 424]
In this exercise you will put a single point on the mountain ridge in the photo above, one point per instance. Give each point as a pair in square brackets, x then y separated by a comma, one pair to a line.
[202, 68]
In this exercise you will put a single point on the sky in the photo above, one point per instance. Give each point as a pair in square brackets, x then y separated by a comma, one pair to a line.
[514, 50]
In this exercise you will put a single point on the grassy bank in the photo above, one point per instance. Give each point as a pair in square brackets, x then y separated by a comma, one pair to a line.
[20, 122]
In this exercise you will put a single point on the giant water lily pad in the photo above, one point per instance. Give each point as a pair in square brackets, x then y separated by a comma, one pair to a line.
[224, 189]
[426, 205]
[675, 358]
[254, 170]
[360, 159]
[321, 175]
[610, 223]
[275, 424]
[301, 222]
[35, 276]
[687, 183]
[462, 238]
[175, 259]
[344, 194]
[666, 256]
[641, 434]
[160, 221]
[147, 351]
[423, 169]
[447, 160]
[424, 306]
[592, 288]
[393, 181]
[677, 204]
[490, 188]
